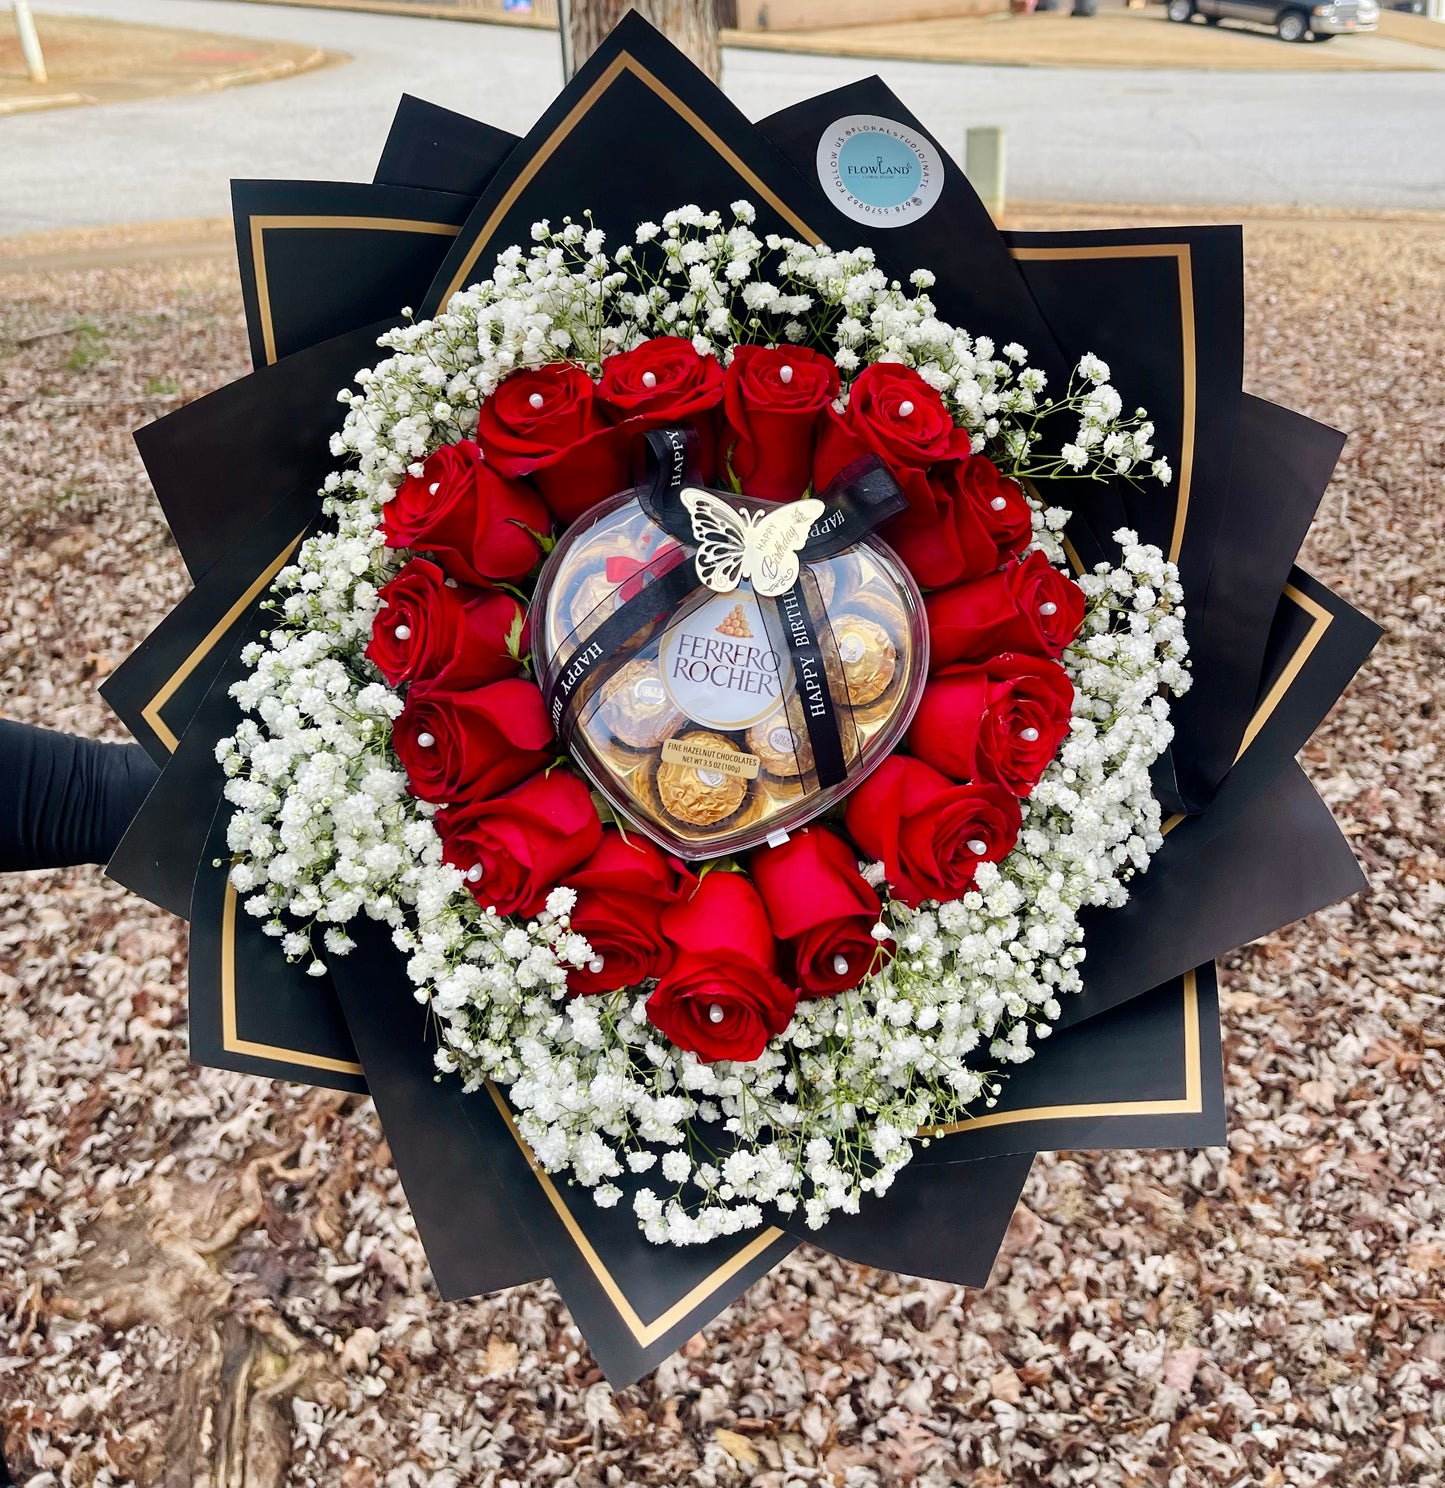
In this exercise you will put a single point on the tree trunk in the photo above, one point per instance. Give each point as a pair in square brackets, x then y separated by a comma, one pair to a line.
[690, 25]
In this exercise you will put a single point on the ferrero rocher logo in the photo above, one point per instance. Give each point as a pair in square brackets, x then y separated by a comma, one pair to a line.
[735, 624]
[718, 666]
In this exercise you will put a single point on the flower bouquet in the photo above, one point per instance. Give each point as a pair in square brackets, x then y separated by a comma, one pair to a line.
[740, 725]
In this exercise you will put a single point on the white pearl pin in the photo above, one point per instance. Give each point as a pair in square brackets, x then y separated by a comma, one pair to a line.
[998, 503]
[977, 846]
[474, 873]
[905, 408]
[840, 965]
[536, 400]
[649, 379]
[1048, 608]
[785, 375]
[714, 1014]
[402, 632]
[1031, 734]
[426, 740]
[434, 488]
[595, 965]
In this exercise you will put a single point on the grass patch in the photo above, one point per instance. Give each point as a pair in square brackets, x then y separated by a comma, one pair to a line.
[89, 347]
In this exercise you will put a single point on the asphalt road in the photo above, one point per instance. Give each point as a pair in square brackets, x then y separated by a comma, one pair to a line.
[1368, 139]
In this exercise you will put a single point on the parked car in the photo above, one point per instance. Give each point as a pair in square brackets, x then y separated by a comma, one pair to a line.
[1290, 19]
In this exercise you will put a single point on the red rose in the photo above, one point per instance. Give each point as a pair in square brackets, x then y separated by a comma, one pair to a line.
[665, 379]
[536, 415]
[1002, 721]
[460, 746]
[929, 833]
[544, 422]
[773, 397]
[622, 890]
[821, 907]
[962, 521]
[516, 848]
[721, 998]
[1028, 606]
[479, 525]
[430, 631]
[894, 414]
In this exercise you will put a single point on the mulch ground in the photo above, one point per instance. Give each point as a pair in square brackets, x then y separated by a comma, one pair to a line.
[211, 1279]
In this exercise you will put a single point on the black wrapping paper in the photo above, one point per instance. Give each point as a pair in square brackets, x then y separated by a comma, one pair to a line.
[218, 465]
[437, 149]
[320, 258]
[1137, 1060]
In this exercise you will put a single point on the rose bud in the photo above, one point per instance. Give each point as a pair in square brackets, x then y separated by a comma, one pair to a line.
[429, 631]
[721, 997]
[963, 520]
[622, 890]
[460, 746]
[514, 849]
[930, 834]
[479, 525]
[544, 423]
[820, 907]
[1028, 606]
[1002, 720]
[894, 414]
[773, 398]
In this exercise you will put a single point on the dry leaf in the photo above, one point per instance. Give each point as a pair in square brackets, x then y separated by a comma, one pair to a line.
[1005, 1386]
[737, 1446]
[500, 1358]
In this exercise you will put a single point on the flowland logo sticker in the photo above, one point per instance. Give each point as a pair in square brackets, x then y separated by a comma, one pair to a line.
[878, 170]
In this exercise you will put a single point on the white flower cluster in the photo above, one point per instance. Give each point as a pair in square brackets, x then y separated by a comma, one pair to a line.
[324, 829]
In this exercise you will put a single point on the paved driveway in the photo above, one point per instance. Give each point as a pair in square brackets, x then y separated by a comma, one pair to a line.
[1324, 139]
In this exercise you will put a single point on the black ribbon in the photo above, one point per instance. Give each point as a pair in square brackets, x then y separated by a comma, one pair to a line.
[862, 497]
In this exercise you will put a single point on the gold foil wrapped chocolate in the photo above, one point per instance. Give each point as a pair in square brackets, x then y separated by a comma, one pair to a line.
[783, 747]
[635, 707]
[867, 658]
[704, 780]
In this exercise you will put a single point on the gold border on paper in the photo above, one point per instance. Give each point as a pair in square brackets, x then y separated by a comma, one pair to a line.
[644, 1333]
[262, 224]
[1191, 1103]
[622, 62]
[231, 1039]
[1180, 252]
[1320, 621]
[152, 710]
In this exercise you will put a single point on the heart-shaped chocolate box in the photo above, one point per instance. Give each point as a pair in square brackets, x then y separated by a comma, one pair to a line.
[717, 718]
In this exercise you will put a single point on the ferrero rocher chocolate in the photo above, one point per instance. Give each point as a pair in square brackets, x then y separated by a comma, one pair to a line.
[590, 604]
[635, 708]
[867, 655]
[694, 726]
[783, 747]
[699, 795]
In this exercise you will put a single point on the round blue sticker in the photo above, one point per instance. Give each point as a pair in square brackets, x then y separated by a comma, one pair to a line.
[878, 170]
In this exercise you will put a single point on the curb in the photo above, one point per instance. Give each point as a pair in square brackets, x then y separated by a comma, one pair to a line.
[424, 11]
[262, 72]
[45, 101]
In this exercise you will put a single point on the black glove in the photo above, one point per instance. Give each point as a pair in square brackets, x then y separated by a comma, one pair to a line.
[65, 800]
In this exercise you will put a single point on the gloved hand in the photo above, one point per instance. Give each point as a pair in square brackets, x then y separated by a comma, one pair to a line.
[65, 800]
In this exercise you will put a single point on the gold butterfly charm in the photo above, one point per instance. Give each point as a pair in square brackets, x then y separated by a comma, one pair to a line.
[760, 546]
